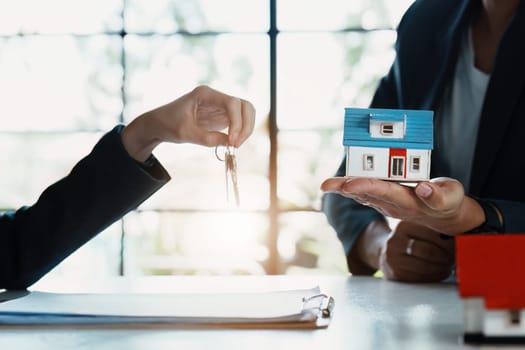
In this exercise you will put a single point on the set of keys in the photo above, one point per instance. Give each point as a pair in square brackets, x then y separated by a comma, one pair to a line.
[230, 167]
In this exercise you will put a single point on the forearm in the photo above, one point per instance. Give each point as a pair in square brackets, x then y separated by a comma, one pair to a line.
[100, 189]
[469, 216]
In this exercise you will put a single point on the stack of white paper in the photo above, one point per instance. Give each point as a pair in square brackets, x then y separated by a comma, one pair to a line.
[292, 307]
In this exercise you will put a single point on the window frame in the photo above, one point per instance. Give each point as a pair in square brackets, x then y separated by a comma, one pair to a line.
[273, 264]
[383, 126]
[396, 160]
[413, 162]
[366, 158]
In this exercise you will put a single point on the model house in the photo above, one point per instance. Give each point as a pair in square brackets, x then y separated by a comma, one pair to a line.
[491, 285]
[389, 144]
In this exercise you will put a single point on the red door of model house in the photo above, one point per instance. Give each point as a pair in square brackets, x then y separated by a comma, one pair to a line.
[397, 163]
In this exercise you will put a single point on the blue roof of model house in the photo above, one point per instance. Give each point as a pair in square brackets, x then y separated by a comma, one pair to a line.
[418, 124]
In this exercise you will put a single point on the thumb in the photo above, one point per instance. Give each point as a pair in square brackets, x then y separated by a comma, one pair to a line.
[424, 191]
[440, 193]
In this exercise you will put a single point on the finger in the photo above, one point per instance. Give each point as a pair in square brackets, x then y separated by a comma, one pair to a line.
[421, 270]
[230, 103]
[410, 269]
[208, 96]
[432, 237]
[419, 277]
[440, 193]
[334, 184]
[340, 185]
[407, 230]
[248, 123]
[378, 192]
[429, 252]
[234, 111]
[385, 208]
[212, 118]
[412, 240]
[400, 210]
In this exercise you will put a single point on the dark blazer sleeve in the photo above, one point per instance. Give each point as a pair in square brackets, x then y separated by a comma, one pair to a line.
[99, 190]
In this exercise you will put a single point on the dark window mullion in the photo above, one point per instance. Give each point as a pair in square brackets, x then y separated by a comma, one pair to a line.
[273, 264]
[121, 120]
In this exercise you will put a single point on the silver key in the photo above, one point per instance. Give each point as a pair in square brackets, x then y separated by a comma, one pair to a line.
[230, 167]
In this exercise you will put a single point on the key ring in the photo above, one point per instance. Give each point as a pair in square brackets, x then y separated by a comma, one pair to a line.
[227, 150]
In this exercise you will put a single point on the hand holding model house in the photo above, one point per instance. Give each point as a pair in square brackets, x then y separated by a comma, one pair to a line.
[395, 145]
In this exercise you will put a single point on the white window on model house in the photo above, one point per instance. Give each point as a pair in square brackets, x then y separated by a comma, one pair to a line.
[415, 164]
[387, 128]
[398, 167]
[368, 162]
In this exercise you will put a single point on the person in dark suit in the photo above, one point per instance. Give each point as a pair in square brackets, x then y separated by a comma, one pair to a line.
[118, 175]
[466, 61]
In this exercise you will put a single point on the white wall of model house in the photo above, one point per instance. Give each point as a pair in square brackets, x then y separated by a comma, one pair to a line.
[389, 144]
[358, 163]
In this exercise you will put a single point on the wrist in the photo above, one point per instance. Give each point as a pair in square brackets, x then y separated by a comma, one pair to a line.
[138, 139]
[492, 218]
[469, 215]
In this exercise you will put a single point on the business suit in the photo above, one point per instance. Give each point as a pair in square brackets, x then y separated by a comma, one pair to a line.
[100, 189]
[427, 48]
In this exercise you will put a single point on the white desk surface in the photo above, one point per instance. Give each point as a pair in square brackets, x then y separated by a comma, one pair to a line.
[369, 313]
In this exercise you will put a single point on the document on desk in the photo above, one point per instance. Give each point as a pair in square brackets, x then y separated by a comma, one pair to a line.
[301, 308]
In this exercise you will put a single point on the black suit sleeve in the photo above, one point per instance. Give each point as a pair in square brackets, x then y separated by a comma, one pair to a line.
[100, 189]
[512, 211]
